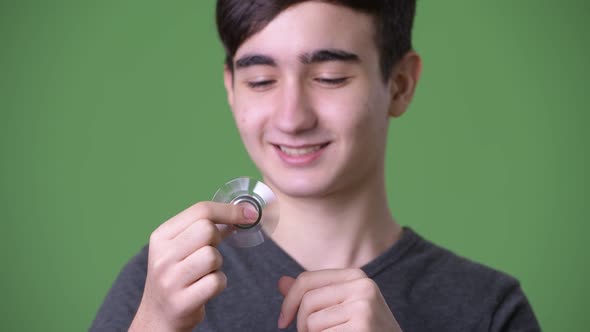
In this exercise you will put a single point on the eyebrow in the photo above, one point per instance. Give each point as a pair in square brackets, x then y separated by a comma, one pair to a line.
[319, 56]
[250, 60]
[326, 55]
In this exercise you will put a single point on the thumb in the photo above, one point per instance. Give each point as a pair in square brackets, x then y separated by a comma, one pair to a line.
[285, 284]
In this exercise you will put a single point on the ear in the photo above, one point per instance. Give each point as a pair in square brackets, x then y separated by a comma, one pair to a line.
[404, 78]
[228, 82]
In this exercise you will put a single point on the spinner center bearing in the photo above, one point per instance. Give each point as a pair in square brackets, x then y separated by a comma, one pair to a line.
[247, 199]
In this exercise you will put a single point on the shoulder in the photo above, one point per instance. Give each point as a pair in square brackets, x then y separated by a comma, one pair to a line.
[136, 269]
[441, 285]
[455, 275]
[122, 300]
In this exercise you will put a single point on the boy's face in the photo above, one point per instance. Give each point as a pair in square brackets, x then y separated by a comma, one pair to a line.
[309, 100]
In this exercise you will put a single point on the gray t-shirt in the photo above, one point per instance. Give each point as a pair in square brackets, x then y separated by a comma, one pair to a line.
[427, 288]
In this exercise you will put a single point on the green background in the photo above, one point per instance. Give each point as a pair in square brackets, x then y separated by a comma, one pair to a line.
[113, 118]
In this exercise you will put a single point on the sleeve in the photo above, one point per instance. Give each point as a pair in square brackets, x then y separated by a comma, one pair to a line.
[120, 304]
[514, 312]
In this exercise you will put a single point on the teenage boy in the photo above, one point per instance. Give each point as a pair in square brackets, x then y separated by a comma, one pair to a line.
[312, 86]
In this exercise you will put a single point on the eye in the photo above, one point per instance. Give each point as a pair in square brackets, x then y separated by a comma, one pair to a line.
[260, 85]
[332, 82]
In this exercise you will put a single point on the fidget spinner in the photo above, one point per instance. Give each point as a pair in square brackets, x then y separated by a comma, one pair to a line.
[246, 191]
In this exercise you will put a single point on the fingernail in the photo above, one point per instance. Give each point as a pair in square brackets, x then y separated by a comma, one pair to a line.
[250, 213]
[281, 321]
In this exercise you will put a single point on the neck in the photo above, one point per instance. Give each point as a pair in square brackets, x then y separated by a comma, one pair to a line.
[349, 229]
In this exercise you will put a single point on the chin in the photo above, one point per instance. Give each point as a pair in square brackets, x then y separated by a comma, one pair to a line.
[299, 186]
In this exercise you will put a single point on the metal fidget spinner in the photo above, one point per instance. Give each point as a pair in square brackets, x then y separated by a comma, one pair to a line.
[245, 190]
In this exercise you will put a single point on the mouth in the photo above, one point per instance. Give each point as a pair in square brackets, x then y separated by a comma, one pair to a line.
[302, 150]
[303, 155]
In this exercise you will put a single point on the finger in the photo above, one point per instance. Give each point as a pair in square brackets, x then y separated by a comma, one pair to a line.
[285, 284]
[202, 262]
[323, 298]
[339, 328]
[219, 213]
[356, 315]
[307, 281]
[199, 234]
[204, 289]
[328, 318]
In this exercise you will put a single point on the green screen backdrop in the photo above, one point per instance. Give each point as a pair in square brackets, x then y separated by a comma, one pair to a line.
[113, 118]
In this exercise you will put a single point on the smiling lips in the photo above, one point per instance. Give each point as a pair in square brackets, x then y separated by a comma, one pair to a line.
[299, 151]
[300, 156]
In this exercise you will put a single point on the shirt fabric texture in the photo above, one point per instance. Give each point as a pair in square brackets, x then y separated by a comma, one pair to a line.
[427, 288]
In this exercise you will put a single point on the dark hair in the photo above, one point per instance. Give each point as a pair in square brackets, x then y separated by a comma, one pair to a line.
[237, 20]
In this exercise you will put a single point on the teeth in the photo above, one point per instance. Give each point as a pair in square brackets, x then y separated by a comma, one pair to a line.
[301, 151]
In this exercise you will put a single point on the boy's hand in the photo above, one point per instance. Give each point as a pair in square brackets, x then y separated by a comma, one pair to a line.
[335, 300]
[184, 266]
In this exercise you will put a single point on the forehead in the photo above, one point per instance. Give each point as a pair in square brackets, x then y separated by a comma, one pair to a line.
[313, 25]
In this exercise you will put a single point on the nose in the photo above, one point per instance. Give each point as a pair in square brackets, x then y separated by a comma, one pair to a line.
[294, 113]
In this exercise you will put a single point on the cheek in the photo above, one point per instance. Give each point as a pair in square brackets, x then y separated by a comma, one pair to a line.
[242, 120]
[250, 125]
[241, 112]
[249, 110]
[354, 114]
